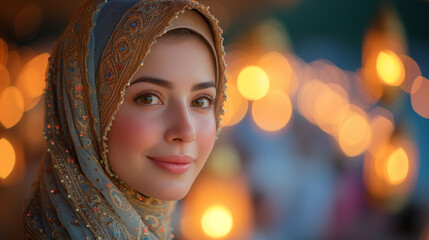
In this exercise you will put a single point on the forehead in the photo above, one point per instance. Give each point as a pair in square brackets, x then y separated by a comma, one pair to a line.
[179, 57]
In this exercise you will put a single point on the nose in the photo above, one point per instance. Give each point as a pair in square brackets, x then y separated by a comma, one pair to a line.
[181, 128]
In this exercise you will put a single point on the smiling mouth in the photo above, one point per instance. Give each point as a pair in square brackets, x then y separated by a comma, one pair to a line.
[176, 164]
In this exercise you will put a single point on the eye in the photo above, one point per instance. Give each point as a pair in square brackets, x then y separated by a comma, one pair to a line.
[148, 98]
[204, 101]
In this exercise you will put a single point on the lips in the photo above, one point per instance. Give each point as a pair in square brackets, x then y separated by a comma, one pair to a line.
[176, 164]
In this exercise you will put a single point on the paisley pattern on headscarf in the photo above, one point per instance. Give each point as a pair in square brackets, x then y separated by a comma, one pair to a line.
[77, 195]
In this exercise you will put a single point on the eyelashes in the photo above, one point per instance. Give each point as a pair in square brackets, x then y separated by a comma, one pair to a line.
[148, 98]
[200, 103]
[153, 98]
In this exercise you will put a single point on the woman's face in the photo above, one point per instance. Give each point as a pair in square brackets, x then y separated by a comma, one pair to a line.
[165, 129]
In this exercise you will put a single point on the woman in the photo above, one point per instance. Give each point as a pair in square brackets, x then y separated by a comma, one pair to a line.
[133, 103]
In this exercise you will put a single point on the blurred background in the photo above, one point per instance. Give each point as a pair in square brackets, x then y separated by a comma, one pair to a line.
[326, 131]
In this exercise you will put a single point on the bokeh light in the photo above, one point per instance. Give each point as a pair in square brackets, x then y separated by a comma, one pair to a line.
[383, 42]
[308, 74]
[235, 106]
[330, 105]
[307, 97]
[390, 68]
[31, 80]
[11, 106]
[217, 221]
[335, 76]
[397, 166]
[420, 96]
[354, 134]
[31, 131]
[412, 71]
[279, 71]
[371, 81]
[8, 158]
[390, 172]
[382, 129]
[273, 111]
[253, 83]
[374, 169]
[229, 192]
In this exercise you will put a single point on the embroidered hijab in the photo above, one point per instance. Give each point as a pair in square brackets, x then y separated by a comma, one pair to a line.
[92, 63]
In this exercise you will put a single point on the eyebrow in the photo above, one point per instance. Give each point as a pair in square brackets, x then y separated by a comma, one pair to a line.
[169, 85]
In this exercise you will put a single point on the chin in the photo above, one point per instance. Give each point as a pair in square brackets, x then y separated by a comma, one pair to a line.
[170, 192]
[172, 197]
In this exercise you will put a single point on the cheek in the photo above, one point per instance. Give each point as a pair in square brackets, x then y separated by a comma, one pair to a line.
[132, 130]
[207, 136]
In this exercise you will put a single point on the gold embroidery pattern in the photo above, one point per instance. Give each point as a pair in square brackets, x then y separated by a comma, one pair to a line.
[118, 201]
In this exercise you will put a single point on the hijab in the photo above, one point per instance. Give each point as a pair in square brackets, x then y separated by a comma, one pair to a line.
[92, 63]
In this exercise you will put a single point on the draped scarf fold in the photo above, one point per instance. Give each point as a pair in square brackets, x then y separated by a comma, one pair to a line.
[77, 195]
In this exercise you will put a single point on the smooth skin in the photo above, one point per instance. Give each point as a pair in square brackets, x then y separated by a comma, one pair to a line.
[168, 109]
